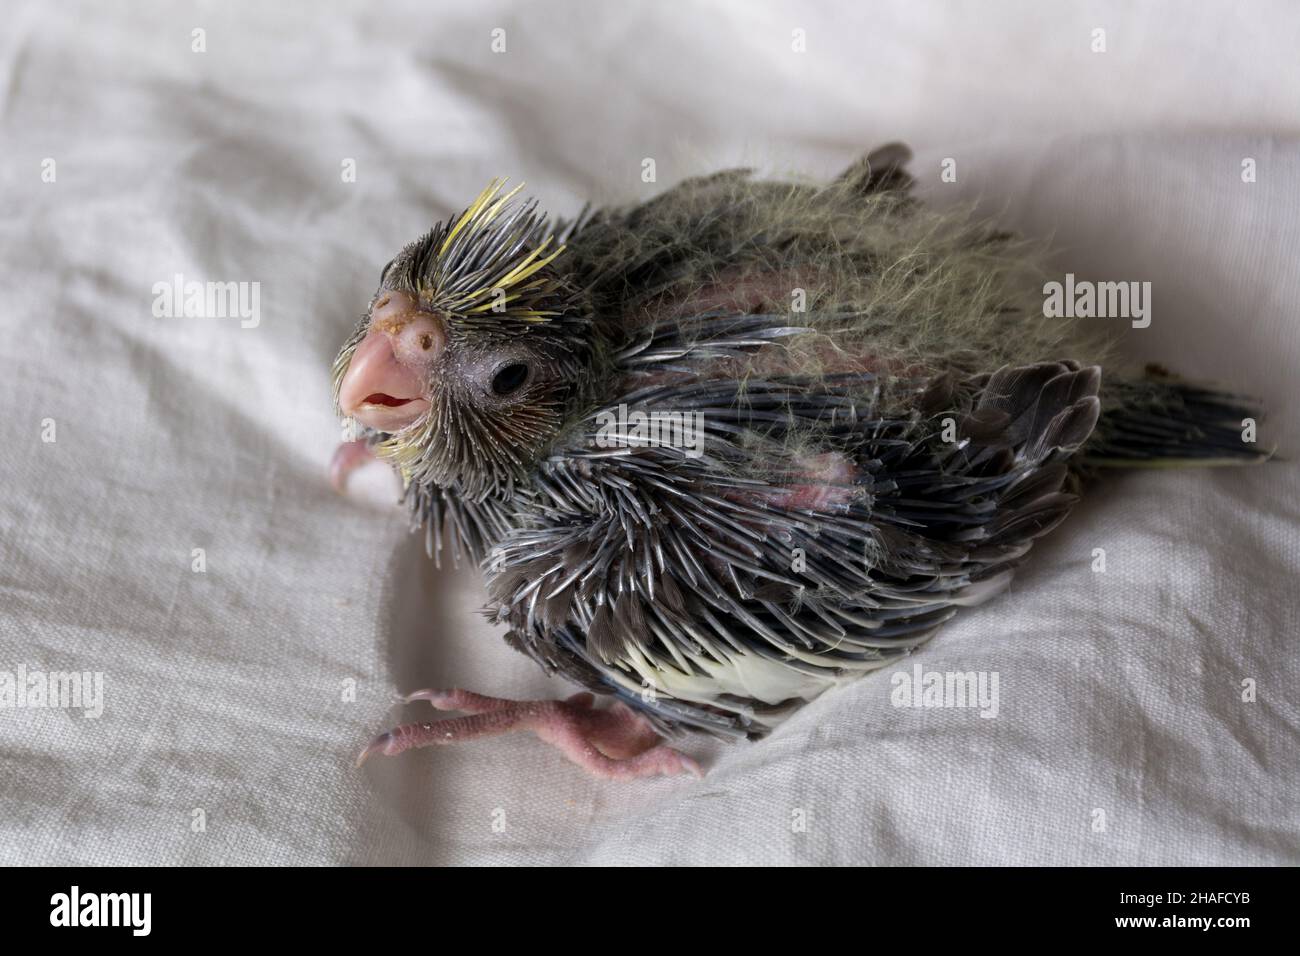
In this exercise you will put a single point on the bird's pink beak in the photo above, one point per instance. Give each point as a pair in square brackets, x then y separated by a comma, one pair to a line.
[386, 385]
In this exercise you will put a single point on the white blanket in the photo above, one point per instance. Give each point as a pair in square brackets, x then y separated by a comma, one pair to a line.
[235, 697]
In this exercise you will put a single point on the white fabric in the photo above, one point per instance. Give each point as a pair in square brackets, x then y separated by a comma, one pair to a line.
[1120, 692]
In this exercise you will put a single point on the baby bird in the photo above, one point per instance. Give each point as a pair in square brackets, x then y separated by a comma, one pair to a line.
[725, 449]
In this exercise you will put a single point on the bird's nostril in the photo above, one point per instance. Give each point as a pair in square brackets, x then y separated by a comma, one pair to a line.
[421, 339]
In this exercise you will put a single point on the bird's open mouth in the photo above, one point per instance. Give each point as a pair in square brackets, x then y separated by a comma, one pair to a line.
[387, 413]
[388, 401]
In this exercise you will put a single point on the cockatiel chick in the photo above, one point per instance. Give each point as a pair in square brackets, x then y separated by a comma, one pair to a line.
[723, 450]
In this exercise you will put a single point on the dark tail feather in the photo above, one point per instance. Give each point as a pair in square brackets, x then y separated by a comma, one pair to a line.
[1162, 422]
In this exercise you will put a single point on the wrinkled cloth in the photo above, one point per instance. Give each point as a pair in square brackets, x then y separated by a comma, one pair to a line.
[178, 536]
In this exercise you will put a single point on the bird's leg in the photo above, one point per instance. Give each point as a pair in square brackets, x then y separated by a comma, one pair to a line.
[615, 743]
[348, 457]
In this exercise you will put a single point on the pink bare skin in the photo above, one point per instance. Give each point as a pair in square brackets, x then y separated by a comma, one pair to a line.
[614, 744]
[825, 482]
[387, 387]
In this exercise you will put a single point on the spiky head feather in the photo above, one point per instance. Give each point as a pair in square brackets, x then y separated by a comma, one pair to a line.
[487, 267]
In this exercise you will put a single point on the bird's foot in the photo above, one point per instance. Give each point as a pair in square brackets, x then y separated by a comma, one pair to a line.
[348, 457]
[615, 743]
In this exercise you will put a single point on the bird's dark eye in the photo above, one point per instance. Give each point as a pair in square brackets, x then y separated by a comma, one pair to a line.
[510, 378]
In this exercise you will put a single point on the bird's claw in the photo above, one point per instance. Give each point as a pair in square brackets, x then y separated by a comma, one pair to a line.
[432, 696]
[381, 744]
